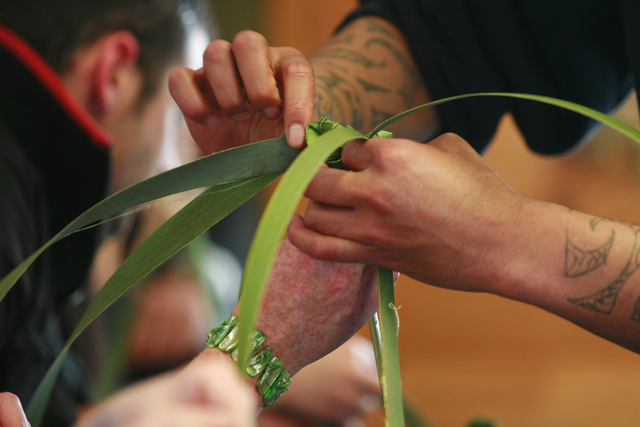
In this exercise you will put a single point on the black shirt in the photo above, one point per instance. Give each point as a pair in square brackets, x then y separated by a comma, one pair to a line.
[53, 166]
[569, 49]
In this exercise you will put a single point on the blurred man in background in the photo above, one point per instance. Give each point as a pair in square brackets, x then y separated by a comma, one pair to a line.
[83, 111]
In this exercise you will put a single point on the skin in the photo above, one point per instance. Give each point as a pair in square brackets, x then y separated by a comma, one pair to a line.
[333, 300]
[11, 412]
[436, 211]
[310, 310]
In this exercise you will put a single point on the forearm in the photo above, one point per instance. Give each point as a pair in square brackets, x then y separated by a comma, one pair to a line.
[365, 74]
[578, 266]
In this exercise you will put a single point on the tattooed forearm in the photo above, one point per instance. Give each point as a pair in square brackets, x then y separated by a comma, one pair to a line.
[579, 262]
[636, 312]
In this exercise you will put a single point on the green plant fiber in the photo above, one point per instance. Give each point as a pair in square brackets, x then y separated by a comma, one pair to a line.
[235, 175]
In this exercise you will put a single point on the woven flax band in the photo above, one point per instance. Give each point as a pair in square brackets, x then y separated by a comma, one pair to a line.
[275, 379]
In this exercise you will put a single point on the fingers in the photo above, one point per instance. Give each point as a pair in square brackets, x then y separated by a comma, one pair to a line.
[223, 77]
[254, 61]
[324, 247]
[11, 412]
[247, 72]
[297, 77]
[187, 89]
[355, 156]
[332, 186]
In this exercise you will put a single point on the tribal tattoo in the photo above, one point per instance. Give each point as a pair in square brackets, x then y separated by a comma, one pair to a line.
[339, 84]
[579, 262]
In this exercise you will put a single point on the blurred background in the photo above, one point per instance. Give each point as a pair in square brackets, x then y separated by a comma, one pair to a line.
[468, 355]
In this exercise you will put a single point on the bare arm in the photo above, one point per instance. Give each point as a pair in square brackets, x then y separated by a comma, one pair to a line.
[580, 267]
[248, 91]
[365, 74]
[438, 213]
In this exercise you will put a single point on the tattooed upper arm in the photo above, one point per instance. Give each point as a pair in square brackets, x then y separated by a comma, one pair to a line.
[365, 74]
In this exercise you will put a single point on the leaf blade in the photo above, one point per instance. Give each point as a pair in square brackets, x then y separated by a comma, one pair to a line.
[189, 223]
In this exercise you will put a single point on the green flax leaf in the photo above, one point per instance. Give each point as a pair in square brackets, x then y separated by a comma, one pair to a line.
[390, 380]
[273, 225]
[577, 108]
[273, 155]
[190, 222]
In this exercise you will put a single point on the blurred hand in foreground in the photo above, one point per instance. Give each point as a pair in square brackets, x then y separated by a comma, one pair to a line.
[211, 395]
[341, 387]
[11, 412]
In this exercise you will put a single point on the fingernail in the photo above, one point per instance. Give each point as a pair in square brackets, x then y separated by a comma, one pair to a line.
[213, 121]
[272, 112]
[241, 117]
[296, 135]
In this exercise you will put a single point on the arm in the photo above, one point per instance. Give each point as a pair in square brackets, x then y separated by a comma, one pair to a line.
[310, 308]
[365, 74]
[248, 91]
[438, 213]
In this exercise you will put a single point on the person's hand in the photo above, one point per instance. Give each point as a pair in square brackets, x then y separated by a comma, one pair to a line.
[170, 320]
[246, 92]
[342, 387]
[436, 212]
[11, 412]
[201, 395]
[311, 307]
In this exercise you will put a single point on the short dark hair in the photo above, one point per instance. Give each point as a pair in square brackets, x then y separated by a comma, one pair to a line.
[56, 28]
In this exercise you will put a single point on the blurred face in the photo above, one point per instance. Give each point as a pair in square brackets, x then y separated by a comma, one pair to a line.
[147, 138]
[139, 134]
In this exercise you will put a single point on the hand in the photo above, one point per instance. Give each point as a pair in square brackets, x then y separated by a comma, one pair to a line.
[240, 94]
[311, 307]
[436, 212]
[202, 395]
[11, 412]
[171, 319]
[340, 387]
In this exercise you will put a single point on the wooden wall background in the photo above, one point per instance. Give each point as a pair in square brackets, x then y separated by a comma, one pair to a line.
[465, 355]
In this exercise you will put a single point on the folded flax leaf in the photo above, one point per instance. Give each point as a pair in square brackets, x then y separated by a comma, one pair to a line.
[190, 222]
[260, 158]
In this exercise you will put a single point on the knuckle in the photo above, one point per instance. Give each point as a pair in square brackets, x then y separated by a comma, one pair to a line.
[217, 52]
[447, 140]
[248, 39]
[298, 69]
[262, 97]
[393, 154]
[297, 108]
[231, 105]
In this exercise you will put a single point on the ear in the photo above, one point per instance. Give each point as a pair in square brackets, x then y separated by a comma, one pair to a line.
[114, 67]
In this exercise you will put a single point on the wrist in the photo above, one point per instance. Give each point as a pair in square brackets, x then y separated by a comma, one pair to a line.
[530, 255]
[271, 377]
